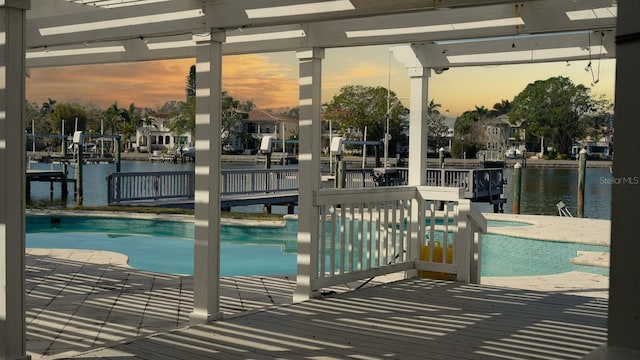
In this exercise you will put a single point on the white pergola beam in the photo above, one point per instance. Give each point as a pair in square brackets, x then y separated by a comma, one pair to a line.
[540, 17]
[116, 24]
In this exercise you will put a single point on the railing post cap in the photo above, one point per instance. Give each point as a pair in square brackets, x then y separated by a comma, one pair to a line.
[517, 165]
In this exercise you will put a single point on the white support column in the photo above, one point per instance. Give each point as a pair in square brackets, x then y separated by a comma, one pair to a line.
[624, 314]
[419, 87]
[310, 62]
[418, 125]
[206, 276]
[12, 180]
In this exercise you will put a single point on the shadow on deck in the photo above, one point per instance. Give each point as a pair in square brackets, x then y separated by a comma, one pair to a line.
[410, 319]
[406, 319]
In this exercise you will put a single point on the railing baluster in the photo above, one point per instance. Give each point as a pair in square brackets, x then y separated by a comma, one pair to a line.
[322, 246]
[361, 237]
[351, 248]
[432, 227]
[402, 228]
[343, 228]
[370, 249]
[445, 233]
[332, 259]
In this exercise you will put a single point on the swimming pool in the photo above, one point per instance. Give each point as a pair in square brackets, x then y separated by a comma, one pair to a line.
[167, 246]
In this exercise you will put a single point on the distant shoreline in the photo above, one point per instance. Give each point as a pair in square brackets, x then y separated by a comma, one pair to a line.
[356, 161]
[448, 163]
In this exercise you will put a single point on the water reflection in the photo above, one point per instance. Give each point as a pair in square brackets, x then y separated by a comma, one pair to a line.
[542, 189]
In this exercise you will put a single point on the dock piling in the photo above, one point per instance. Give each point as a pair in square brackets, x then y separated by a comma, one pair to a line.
[341, 174]
[517, 185]
[582, 170]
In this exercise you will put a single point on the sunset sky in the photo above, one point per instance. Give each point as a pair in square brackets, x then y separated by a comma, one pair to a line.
[271, 80]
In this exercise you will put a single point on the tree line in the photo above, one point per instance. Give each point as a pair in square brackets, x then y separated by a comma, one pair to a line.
[555, 109]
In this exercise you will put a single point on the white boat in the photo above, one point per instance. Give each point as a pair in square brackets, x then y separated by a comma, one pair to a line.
[187, 151]
[513, 153]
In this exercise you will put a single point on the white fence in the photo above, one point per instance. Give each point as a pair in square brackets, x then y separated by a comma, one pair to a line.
[375, 231]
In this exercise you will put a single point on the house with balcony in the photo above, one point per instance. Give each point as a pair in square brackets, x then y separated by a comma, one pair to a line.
[157, 136]
[245, 137]
[504, 137]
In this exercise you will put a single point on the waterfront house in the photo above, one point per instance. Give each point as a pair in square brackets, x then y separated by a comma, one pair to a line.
[504, 137]
[602, 149]
[246, 136]
[156, 136]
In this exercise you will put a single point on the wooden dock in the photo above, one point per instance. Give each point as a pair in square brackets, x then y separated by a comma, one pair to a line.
[50, 176]
[279, 187]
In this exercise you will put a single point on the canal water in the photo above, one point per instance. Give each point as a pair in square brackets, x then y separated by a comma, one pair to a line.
[542, 188]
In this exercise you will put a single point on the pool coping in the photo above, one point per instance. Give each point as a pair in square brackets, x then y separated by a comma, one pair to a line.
[554, 228]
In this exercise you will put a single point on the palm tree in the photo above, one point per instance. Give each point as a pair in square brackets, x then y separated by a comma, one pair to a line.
[432, 108]
[47, 107]
[481, 112]
[503, 107]
[113, 117]
[132, 120]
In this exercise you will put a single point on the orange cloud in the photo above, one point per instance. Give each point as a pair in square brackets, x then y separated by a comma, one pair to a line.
[149, 84]
[257, 78]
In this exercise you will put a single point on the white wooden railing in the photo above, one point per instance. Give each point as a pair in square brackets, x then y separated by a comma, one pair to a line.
[136, 186]
[157, 185]
[374, 231]
[249, 181]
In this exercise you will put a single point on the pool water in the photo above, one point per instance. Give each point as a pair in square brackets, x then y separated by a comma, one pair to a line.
[173, 255]
[167, 246]
[510, 256]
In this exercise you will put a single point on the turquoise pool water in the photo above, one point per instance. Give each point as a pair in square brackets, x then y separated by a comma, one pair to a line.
[167, 246]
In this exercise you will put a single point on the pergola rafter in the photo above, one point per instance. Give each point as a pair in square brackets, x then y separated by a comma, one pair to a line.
[165, 30]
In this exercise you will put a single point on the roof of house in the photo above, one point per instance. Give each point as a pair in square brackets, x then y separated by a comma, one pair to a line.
[258, 115]
[502, 120]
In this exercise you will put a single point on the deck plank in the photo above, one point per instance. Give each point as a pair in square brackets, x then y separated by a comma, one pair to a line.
[408, 319]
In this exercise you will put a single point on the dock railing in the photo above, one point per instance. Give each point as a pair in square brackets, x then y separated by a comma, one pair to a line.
[368, 232]
[477, 183]
[243, 181]
[141, 186]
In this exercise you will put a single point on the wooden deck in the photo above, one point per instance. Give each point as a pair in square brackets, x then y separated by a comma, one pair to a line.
[408, 319]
